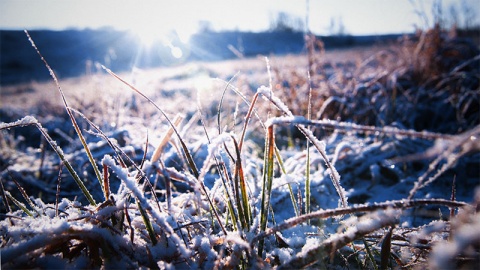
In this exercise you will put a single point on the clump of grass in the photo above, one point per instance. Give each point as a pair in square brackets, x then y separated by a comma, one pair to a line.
[232, 223]
[416, 74]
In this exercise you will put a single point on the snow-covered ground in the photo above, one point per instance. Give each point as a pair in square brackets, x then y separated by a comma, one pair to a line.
[400, 149]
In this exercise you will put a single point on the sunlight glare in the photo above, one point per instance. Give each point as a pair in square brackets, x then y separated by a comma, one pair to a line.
[150, 37]
[176, 52]
[184, 32]
[147, 35]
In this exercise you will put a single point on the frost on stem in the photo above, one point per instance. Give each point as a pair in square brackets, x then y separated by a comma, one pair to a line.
[267, 93]
[160, 218]
[366, 225]
[334, 175]
[25, 121]
[448, 151]
[285, 119]
[212, 149]
[298, 121]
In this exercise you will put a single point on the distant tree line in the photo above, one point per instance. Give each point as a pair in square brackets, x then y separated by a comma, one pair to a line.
[460, 14]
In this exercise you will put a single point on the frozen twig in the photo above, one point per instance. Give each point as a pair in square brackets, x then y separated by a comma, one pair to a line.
[365, 226]
[400, 204]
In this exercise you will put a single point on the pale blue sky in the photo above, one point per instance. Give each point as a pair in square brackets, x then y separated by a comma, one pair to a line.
[358, 17]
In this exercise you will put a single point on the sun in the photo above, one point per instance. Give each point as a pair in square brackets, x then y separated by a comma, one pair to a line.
[184, 32]
[177, 39]
[147, 35]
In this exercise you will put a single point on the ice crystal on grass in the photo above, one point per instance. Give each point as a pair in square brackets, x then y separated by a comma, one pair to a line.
[160, 218]
[25, 121]
[212, 151]
[267, 93]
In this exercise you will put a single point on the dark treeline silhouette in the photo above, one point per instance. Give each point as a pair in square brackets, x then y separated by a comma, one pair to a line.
[76, 52]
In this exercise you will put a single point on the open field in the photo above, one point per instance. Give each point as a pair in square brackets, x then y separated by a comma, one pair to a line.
[357, 158]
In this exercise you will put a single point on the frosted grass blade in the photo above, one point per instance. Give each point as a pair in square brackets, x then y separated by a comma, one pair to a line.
[30, 120]
[148, 223]
[72, 118]
[186, 152]
[267, 184]
[19, 204]
[240, 181]
[25, 196]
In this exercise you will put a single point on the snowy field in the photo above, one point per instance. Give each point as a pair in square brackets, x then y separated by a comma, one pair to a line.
[372, 161]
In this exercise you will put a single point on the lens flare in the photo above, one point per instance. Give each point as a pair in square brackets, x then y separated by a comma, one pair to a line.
[176, 52]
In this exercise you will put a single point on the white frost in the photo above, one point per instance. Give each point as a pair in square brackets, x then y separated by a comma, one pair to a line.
[27, 120]
[161, 219]
[291, 119]
[267, 93]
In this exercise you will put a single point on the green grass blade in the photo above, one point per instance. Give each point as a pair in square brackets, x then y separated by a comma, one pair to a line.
[119, 152]
[240, 181]
[69, 167]
[18, 204]
[267, 184]
[277, 152]
[25, 196]
[290, 189]
[148, 223]
[57, 194]
[370, 254]
[240, 208]
[85, 146]
[72, 118]
[224, 176]
[30, 120]
[307, 180]
[229, 200]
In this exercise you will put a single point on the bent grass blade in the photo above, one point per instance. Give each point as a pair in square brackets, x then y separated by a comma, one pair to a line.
[67, 107]
[186, 152]
[30, 120]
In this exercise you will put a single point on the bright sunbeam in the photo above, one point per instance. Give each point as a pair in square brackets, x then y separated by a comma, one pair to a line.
[184, 32]
[147, 35]
[157, 45]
